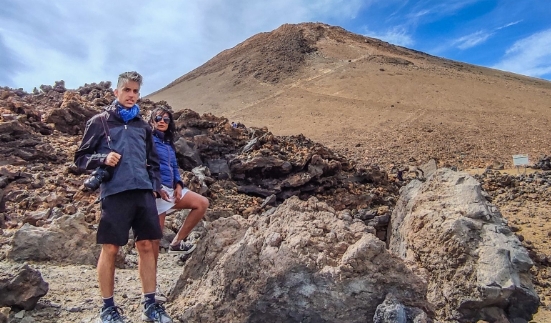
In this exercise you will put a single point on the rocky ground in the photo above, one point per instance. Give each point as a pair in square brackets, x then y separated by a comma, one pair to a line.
[72, 295]
[73, 291]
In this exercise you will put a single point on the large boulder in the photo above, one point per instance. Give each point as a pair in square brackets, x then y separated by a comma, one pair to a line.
[476, 267]
[20, 142]
[302, 263]
[69, 239]
[21, 287]
[72, 114]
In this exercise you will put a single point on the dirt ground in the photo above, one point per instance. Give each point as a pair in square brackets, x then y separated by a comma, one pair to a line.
[532, 218]
[73, 294]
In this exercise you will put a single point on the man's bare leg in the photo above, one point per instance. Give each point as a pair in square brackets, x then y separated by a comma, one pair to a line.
[157, 243]
[153, 312]
[147, 266]
[106, 269]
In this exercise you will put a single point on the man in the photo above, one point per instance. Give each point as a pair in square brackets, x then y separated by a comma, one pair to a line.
[120, 143]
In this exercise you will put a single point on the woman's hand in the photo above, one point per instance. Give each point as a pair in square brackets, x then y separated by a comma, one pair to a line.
[177, 193]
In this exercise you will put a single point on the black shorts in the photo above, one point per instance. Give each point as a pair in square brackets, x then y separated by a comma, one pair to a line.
[134, 209]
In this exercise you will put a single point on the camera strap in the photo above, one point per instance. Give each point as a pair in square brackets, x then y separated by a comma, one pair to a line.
[105, 130]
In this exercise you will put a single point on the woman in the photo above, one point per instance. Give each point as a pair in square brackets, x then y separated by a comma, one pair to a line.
[179, 197]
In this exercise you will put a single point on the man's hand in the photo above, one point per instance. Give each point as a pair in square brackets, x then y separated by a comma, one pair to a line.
[164, 196]
[112, 159]
[177, 193]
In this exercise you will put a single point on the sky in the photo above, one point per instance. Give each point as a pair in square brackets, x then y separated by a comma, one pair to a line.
[92, 41]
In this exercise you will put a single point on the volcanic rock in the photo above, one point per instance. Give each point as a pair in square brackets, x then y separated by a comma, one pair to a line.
[476, 267]
[301, 263]
[69, 233]
[21, 287]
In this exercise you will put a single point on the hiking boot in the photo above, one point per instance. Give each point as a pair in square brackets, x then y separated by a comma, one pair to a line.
[155, 313]
[113, 314]
[160, 297]
[183, 248]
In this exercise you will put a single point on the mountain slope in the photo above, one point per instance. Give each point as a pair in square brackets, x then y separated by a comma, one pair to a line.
[372, 100]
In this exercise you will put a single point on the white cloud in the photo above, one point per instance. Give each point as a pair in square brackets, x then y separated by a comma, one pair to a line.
[471, 40]
[96, 40]
[420, 14]
[395, 35]
[529, 56]
[509, 24]
[338, 8]
[479, 37]
[435, 9]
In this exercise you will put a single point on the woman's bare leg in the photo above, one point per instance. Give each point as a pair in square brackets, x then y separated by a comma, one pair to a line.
[198, 205]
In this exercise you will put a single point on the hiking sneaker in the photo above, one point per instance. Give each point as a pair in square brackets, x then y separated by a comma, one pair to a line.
[183, 258]
[183, 248]
[112, 314]
[156, 313]
[160, 297]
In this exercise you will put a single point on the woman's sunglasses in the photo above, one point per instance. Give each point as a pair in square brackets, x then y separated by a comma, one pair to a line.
[165, 119]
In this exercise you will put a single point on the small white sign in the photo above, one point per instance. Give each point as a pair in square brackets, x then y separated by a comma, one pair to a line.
[520, 160]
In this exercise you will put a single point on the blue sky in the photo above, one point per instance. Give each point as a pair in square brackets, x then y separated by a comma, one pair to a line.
[83, 42]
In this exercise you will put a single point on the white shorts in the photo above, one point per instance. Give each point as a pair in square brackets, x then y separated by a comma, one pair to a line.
[162, 205]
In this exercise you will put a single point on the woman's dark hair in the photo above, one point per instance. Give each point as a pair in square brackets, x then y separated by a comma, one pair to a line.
[171, 130]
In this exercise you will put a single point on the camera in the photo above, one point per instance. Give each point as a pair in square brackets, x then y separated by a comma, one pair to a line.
[99, 175]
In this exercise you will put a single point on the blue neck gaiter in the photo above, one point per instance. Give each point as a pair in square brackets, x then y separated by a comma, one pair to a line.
[127, 114]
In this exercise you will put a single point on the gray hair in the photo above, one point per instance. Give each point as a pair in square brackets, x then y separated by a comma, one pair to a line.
[127, 77]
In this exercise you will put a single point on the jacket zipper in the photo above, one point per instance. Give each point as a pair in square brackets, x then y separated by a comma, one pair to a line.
[170, 166]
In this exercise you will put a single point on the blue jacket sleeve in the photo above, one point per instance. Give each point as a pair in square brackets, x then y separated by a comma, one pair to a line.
[86, 156]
